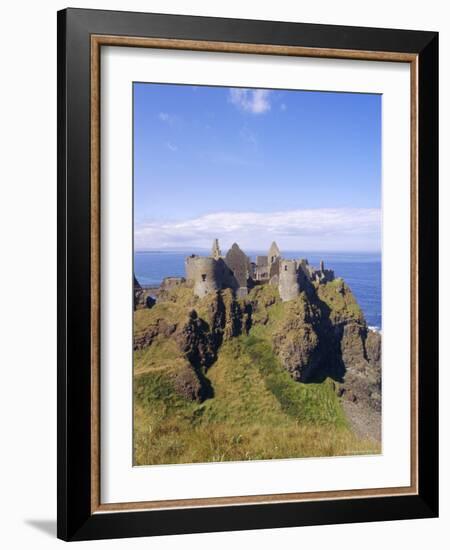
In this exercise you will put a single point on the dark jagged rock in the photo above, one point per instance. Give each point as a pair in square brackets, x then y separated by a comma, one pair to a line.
[233, 320]
[200, 338]
[296, 342]
[199, 341]
[352, 344]
[137, 291]
[362, 382]
[195, 342]
[146, 338]
[373, 348]
[247, 320]
[190, 384]
[362, 379]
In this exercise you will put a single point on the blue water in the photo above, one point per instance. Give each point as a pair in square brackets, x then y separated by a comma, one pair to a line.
[361, 271]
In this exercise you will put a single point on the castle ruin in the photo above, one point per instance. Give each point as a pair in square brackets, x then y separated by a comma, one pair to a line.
[235, 270]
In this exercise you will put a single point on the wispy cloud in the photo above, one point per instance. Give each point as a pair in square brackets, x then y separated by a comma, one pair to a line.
[167, 118]
[283, 106]
[171, 146]
[252, 101]
[313, 229]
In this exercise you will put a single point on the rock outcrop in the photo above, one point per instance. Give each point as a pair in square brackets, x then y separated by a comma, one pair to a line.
[362, 359]
[320, 334]
[198, 342]
[357, 350]
[189, 383]
[158, 328]
[297, 339]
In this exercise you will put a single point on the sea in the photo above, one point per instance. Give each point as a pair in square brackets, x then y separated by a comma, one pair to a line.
[361, 271]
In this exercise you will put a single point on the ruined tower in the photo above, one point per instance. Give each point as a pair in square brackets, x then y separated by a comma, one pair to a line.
[274, 253]
[215, 252]
[273, 260]
[288, 285]
[261, 268]
[203, 273]
[323, 275]
[239, 269]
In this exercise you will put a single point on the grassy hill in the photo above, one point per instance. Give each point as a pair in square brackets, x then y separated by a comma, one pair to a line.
[256, 410]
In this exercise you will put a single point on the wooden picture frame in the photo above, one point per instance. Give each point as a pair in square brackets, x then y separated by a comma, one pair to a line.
[81, 35]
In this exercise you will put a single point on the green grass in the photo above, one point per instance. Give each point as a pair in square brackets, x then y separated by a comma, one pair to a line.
[173, 309]
[257, 412]
[307, 403]
[163, 354]
[341, 301]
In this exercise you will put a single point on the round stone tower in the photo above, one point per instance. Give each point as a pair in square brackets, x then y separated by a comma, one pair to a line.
[189, 267]
[204, 273]
[288, 285]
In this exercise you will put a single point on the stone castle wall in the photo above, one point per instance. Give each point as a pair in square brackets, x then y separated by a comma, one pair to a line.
[235, 271]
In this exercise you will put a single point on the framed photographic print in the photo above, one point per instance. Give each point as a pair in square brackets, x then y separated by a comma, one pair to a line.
[247, 274]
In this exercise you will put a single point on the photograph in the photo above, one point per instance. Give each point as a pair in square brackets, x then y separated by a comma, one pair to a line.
[257, 274]
[247, 272]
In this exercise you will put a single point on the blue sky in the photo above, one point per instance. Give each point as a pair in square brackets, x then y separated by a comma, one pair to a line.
[249, 165]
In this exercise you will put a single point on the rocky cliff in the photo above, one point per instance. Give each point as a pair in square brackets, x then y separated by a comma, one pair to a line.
[322, 334]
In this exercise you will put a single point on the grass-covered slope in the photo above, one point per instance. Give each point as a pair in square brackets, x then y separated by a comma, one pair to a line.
[258, 412]
[253, 407]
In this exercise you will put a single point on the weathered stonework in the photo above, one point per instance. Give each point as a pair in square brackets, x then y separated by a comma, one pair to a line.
[238, 264]
[215, 252]
[261, 268]
[288, 285]
[207, 274]
[169, 283]
[274, 253]
[237, 272]
[204, 273]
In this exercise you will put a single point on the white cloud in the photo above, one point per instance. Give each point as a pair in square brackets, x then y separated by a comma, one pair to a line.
[313, 229]
[167, 118]
[252, 101]
[171, 146]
